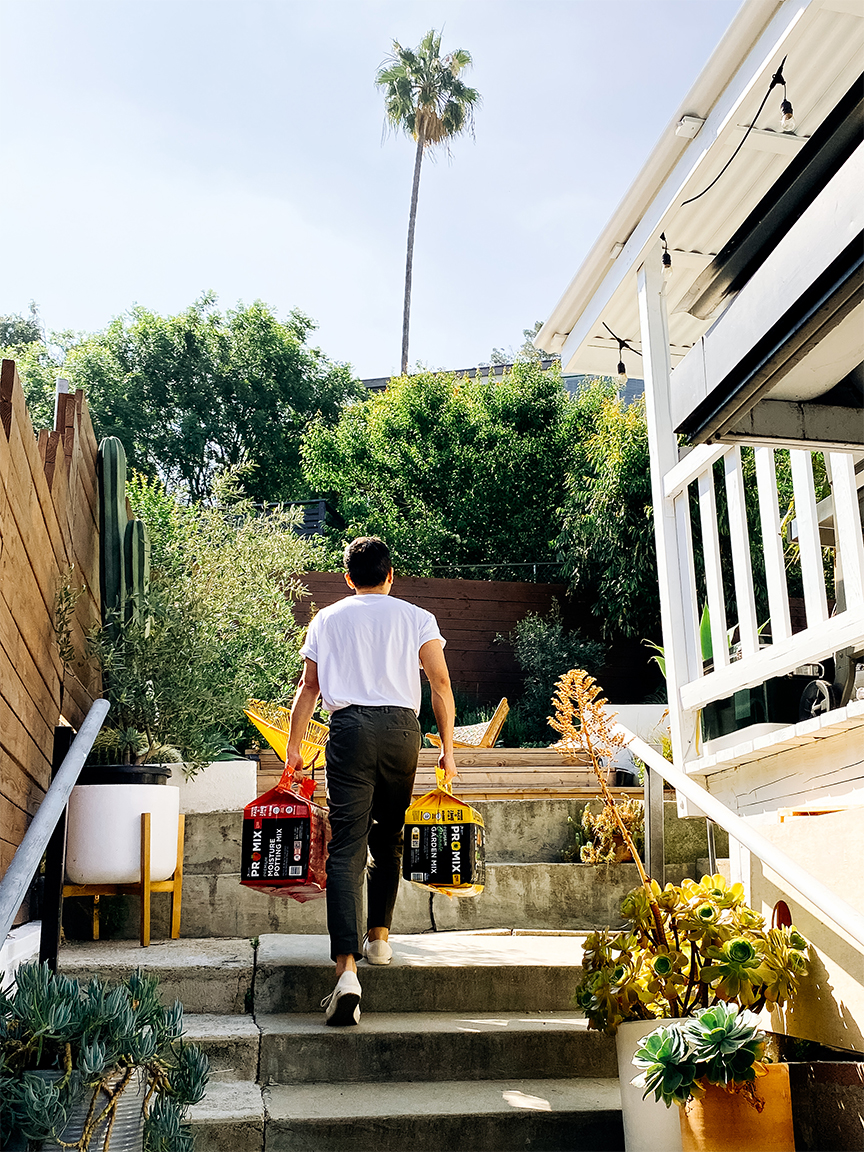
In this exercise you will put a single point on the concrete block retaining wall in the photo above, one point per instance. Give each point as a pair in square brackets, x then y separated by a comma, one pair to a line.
[527, 886]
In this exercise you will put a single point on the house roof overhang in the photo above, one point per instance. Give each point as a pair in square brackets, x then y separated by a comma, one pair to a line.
[823, 42]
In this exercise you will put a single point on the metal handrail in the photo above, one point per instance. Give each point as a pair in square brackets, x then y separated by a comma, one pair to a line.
[827, 902]
[20, 873]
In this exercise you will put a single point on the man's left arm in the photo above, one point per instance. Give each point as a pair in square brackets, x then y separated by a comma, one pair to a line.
[302, 711]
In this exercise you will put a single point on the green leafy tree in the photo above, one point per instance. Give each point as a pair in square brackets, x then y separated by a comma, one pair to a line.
[425, 97]
[451, 471]
[606, 540]
[17, 330]
[194, 393]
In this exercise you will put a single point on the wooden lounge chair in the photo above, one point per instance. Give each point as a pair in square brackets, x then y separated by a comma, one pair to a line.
[477, 735]
[273, 722]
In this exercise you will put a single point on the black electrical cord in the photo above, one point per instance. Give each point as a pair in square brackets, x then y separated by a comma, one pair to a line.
[622, 344]
[776, 79]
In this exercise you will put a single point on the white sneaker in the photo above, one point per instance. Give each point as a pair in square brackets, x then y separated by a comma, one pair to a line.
[342, 1006]
[377, 952]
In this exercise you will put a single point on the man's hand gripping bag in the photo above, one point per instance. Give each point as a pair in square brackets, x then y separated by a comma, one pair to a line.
[285, 838]
[445, 843]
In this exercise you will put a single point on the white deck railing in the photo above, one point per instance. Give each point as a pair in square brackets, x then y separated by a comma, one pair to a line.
[830, 906]
[823, 635]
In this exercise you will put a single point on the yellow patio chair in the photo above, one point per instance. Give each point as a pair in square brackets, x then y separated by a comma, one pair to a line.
[477, 735]
[273, 722]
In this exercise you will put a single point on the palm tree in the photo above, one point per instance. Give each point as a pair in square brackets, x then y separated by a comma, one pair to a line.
[424, 97]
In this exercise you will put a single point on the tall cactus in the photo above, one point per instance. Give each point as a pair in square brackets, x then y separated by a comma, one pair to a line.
[136, 546]
[111, 471]
[124, 544]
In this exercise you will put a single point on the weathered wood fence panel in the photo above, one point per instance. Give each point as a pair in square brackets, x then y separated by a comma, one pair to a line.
[470, 614]
[48, 536]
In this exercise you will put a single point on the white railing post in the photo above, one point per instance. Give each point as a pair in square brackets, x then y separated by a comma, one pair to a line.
[772, 544]
[713, 567]
[809, 544]
[676, 605]
[739, 538]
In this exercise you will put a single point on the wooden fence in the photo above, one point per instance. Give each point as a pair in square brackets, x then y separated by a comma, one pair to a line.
[48, 537]
[470, 614]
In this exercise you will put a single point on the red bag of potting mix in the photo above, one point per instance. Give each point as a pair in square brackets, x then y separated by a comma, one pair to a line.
[284, 846]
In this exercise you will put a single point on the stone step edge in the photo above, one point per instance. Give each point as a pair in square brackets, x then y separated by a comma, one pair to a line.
[245, 1101]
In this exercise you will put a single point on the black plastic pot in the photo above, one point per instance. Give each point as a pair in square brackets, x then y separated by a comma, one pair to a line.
[124, 774]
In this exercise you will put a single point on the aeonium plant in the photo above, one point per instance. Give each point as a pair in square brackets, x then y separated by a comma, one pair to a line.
[720, 1045]
[686, 947]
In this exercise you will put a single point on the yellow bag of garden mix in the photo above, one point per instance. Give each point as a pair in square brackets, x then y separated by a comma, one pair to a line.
[445, 843]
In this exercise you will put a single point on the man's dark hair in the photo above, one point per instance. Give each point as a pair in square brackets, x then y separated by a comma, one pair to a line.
[367, 560]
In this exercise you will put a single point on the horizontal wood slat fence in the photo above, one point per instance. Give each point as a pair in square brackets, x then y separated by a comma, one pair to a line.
[470, 614]
[48, 534]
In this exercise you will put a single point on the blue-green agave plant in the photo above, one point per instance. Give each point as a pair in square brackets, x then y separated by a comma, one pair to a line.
[719, 1045]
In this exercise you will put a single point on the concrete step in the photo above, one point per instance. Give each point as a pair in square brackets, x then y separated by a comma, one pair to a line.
[230, 1118]
[422, 1046]
[207, 976]
[436, 972]
[231, 1044]
[482, 1116]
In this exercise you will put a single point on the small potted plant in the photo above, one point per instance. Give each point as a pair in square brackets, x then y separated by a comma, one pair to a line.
[94, 1066]
[712, 1066]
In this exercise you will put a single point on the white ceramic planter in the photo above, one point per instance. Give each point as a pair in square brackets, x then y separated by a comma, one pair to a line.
[103, 839]
[223, 786]
[649, 1126]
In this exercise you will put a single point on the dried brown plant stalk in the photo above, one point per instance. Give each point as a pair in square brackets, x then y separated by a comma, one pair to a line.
[586, 727]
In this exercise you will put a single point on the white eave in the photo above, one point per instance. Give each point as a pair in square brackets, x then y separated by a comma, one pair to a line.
[824, 43]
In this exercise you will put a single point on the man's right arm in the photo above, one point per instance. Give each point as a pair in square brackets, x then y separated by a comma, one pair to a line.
[435, 667]
[301, 713]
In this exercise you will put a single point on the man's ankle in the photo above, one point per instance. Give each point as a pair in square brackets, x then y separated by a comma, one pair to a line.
[378, 934]
[345, 964]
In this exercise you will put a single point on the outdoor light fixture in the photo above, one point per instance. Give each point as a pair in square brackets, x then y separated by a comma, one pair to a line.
[787, 124]
[621, 376]
[787, 115]
[667, 259]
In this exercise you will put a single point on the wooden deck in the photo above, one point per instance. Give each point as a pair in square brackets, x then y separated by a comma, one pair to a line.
[487, 774]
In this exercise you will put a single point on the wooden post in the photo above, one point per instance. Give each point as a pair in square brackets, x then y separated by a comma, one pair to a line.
[55, 864]
[145, 879]
[177, 890]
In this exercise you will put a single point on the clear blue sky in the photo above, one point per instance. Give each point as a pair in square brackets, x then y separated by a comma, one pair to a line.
[157, 148]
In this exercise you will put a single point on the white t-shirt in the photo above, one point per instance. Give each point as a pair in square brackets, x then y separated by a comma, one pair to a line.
[367, 651]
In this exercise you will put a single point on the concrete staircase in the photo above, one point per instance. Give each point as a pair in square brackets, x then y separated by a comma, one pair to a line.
[467, 1041]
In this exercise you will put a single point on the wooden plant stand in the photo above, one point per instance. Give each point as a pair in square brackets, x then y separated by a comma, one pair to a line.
[143, 887]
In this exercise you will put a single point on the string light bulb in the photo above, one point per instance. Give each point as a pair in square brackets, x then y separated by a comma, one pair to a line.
[621, 372]
[787, 115]
[667, 259]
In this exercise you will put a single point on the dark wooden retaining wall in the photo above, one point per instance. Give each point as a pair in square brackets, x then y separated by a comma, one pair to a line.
[470, 614]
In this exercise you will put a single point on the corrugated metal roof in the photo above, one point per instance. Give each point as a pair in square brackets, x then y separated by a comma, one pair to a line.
[823, 41]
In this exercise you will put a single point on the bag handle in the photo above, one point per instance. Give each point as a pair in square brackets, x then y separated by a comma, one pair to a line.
[439, 780]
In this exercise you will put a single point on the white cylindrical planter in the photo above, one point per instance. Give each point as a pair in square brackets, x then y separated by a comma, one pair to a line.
[103, 839]
[649, 1126]
[223, 786]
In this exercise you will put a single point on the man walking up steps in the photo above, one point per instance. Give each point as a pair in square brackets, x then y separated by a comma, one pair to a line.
[363, 657]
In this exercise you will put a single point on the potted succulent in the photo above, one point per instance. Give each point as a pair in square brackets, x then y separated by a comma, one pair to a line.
[682, 949]
[94, 1066]
[712, 1066]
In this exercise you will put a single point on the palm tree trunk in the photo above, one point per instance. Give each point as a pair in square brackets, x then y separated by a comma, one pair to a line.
[412, 219]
